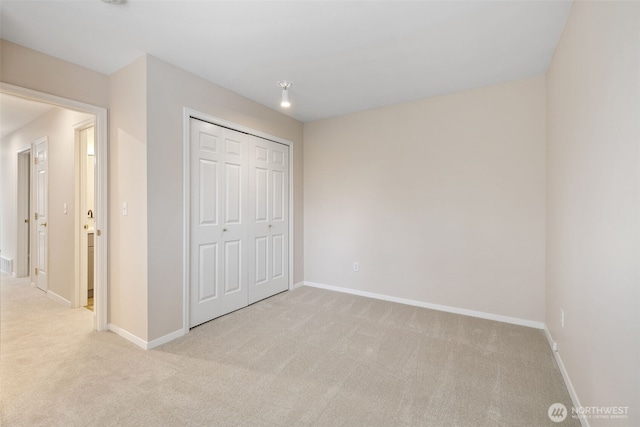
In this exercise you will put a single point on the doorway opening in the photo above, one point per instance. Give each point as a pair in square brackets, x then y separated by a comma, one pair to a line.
[94, 212]
[85, 199]
[23, 241]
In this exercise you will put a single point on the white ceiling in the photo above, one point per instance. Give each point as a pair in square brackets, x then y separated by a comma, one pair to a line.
[17, 112]
[342, 56]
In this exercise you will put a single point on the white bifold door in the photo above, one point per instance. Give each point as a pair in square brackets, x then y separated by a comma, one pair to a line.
[239, 220]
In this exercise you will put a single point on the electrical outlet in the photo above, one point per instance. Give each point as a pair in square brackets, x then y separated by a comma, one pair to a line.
[356, 266]
[562, 318]
[554, 346]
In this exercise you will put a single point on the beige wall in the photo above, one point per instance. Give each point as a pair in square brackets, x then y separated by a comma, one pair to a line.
[34, 70]
[439, 200]
[57, 126]
[128, 250]
[170, 89]
[593, 207]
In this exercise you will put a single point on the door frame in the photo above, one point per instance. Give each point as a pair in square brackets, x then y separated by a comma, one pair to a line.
[23, 243]
[101, 184]
[81, 245]
[186, 189]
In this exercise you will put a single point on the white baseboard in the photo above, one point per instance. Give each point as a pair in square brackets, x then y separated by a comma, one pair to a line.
[446, 308]
[565, 375]
[127, 336]
[57, 298]
[297, 285]
[145, 345]
[165, 339]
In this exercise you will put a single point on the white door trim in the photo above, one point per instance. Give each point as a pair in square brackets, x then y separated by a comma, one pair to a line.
[81, 249]
[186, 188]
[101, 196]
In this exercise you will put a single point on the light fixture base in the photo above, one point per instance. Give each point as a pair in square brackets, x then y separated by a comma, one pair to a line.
[285, 85]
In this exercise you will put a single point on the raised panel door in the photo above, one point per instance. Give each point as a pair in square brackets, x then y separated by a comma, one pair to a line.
[218, 278]
[41, 213]
[268, 223]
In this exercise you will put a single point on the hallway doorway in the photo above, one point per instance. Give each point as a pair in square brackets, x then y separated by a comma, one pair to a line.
[84, 210]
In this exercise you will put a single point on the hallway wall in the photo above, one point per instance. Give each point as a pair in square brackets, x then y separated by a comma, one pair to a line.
[30, 69]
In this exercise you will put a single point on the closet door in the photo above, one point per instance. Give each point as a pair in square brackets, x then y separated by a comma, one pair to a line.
[268, 224]
[218, 229]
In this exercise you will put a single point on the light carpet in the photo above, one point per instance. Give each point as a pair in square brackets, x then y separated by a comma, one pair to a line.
[308, 357]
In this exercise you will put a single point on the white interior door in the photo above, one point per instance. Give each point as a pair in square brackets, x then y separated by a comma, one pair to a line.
[268, 223]
[218, 198]
[40, 212]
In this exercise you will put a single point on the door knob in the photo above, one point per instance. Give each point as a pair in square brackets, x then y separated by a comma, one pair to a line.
[269, 225]
[224, 229]
[86, 227]
[44, 224]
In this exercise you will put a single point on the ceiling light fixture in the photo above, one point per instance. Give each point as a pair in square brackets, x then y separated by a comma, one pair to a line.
[285, 85]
